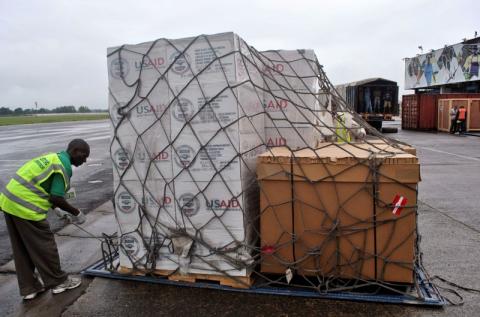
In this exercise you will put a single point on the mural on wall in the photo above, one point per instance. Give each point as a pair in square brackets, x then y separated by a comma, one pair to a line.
[451, 64]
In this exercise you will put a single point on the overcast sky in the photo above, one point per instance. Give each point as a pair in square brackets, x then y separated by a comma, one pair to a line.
[54, 51]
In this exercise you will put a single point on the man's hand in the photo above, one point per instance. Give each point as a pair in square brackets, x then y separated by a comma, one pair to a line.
[76, 219]
[62, 214]
[79, 219]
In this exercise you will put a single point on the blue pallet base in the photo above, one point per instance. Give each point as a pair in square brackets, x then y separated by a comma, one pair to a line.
[429, 293]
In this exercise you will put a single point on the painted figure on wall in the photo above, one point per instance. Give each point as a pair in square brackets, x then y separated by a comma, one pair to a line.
[470, 67]
[445, 61]
[430, 69]
[415, 69]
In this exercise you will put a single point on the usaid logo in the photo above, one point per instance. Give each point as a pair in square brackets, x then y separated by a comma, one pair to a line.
[119, 68]
[276, 105]
[184, 157]
[125, 202]
[130, 245]
[121, 159]
[273, 69]
[183, 110]
[222, 204]
[148, 63]
[145, 109]
[180, 66]
[189, 204]
[279, 141]
[165, 201]
[142, 156]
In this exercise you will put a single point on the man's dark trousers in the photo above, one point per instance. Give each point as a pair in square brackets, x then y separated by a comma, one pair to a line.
[34, 246]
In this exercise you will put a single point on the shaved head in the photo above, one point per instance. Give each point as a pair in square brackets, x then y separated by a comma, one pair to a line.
[79, 150]
[79, 144]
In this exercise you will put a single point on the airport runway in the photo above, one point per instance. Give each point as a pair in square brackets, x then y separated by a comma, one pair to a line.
[92, 181]
[448, 223]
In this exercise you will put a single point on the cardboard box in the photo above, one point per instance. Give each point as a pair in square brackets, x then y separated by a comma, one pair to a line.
[148, 156]
[290, 70]
[136, 67]
[397, 148]
[221, 219]
[144, 206]
[210, 58]
[325, 199]
[293, 137]
[190, 108]
[136, 251]
[212, 107]
[285, 108]
[228, 258]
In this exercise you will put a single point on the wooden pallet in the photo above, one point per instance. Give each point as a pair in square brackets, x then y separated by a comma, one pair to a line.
[234, 281]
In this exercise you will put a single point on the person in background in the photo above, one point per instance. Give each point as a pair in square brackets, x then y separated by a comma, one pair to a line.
[368, 101]
[38, 186]
[387, 102]
[453, 119]
[462, 118]
[377, 98]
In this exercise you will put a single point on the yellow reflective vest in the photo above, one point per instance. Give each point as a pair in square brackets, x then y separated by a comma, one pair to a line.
[23, 196]
[343, 135]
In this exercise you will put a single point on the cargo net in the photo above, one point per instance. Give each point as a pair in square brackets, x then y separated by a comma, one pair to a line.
[248, 168]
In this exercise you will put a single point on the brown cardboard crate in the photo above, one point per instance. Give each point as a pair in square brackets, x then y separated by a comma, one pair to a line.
[338, 231]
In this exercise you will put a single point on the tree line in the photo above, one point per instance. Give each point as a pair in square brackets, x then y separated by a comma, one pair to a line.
[5, 111]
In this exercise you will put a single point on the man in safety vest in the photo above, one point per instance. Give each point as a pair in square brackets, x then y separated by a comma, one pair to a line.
[343, 135]
[462, 117]
[37, 187]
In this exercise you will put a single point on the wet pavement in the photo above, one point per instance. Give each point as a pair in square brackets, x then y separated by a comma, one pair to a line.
[20, 143]
[448, 223]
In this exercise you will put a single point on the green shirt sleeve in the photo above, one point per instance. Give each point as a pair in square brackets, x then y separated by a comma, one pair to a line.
[58, 185]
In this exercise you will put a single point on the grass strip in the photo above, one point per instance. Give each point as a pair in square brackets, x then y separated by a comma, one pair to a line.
[13, 120]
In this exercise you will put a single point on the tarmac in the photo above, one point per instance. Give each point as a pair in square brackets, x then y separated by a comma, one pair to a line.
[449, 224]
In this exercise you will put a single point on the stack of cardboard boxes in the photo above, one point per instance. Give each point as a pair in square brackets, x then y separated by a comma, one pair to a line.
[189, 119]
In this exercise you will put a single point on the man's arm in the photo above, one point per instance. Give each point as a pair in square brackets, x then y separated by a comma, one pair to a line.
[61, 203]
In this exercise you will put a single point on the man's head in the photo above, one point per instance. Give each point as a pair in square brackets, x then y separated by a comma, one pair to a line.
[78, 150]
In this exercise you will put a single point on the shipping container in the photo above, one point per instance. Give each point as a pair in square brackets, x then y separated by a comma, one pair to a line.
[420, 111]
